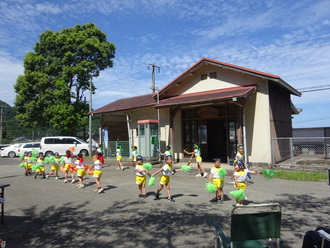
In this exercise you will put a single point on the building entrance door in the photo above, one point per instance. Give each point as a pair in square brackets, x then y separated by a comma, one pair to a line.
[216, 139]
[210, 135]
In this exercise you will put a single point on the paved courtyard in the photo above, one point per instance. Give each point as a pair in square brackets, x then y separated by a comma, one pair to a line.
[50, 213]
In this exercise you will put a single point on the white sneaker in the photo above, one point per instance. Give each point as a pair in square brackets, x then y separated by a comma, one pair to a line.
[56, 178]
[81, 186]
[65, 181]
[117, 168]
[100, 190]
[198, 175]
[47, 177]
[73, 181]
[122, 168]
[205, 175]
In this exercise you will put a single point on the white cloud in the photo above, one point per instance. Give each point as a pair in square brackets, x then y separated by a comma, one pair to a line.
[9, 70]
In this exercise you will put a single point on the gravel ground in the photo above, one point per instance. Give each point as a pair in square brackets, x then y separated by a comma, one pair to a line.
[50, 213]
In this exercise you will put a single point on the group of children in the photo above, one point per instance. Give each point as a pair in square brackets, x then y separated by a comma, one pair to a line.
[240, 174]
[68, 167]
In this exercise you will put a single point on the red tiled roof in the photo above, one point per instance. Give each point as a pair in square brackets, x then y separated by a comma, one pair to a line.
[218, 63]
[200, 97]
[208, 96]
[127, 103]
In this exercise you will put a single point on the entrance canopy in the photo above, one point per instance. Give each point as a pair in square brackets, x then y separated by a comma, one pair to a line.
[231, 94]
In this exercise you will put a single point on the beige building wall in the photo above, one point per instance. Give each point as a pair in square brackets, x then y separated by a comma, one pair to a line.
[225, 79]
[258, 140]
[177, 136]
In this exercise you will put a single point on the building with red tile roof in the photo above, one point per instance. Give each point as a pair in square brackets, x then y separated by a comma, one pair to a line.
[213, 104]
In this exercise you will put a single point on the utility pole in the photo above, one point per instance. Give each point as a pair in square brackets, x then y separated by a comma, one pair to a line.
[153, 88]
[90, 116]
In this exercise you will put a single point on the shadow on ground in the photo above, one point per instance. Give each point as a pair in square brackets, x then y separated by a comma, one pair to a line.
[137, 224]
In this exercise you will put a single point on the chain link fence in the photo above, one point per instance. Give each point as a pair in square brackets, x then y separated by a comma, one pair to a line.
[301, 151]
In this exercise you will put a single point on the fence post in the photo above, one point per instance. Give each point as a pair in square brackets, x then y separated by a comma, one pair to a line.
[291, 151]
[273, 151]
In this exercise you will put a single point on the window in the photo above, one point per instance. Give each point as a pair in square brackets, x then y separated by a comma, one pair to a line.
[58, 141]
[213, 75]
[28, 146]
[71, 141]
[203, 76]
[48, 141]
[36, 145]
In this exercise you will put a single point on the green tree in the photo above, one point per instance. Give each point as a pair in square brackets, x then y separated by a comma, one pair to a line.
[57, 74]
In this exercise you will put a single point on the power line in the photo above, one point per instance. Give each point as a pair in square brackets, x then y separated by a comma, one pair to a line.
[313, 120]
[314, 88]
[304, 91]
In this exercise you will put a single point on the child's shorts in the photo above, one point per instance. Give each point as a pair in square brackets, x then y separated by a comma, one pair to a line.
[29, 165]
[119, 158]
[81, 172]
[140, 180]
[55, 167]
[97, 174]
[242, 186]
[40, 169]
[67, 166]
[198, 159]
[165, 180]
[218, 182]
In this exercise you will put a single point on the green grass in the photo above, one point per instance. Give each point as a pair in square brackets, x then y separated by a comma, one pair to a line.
[314, 176]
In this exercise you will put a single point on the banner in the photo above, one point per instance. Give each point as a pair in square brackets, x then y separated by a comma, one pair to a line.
[105, 137]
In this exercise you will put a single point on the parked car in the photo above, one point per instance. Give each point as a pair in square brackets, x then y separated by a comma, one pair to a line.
[3, 147]
[60, 144]
[16, 149]
[27, 147]
[10, 151]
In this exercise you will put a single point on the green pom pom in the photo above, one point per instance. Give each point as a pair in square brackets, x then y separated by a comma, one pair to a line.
[238, 194]
[51, 159]
[210, 188]
[185, 168]
[222, 173]
[268, 173]
[62, 159]
[151, 181]
[22, 165]
[34, 159]
[147, 166]
[21, 155]
[34, 153]
[47, 160]
[36, 166]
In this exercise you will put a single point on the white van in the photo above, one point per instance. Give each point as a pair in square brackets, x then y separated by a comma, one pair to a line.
[60, 144]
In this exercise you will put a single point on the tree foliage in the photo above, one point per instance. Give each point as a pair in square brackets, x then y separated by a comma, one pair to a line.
[57, 74]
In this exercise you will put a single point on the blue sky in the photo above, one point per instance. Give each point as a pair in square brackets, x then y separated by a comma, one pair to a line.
[284, 37]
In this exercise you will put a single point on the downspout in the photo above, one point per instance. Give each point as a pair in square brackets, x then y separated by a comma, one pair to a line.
[172, 132]
[130, 138]
[158, 118]
[244, 135]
